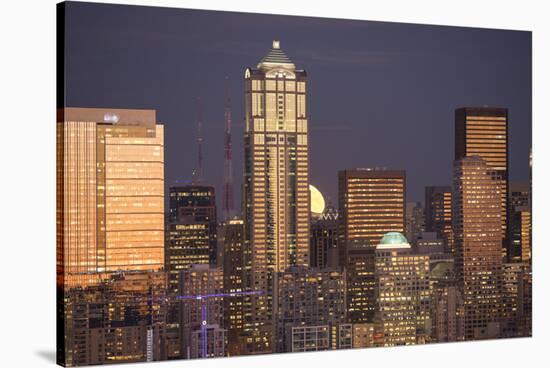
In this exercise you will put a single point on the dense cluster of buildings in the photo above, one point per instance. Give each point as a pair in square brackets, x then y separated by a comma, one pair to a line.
[140, 282]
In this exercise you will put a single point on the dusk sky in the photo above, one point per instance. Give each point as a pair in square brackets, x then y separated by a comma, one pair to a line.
[379, 95]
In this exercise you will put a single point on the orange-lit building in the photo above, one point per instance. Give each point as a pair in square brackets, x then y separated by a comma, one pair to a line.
[478, 241]
[110, 193]
[371, 204]
[483, 132]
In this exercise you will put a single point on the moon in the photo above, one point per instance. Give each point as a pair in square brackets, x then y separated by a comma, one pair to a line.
[317, 201]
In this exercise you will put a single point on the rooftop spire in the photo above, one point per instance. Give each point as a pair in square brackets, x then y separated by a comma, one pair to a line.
[276, 58]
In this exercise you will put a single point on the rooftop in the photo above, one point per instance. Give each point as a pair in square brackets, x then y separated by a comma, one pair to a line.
[393, 240]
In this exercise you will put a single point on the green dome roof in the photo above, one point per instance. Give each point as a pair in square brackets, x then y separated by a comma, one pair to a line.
[393, 238]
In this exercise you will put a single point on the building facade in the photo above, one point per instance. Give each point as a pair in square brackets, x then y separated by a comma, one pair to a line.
[110, 193]
[477, 229]
[403, 292]
[371, 203]
[483, 132]
[307, 297]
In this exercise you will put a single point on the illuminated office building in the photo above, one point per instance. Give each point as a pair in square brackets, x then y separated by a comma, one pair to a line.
[478, 239]
[192, 232]
[360, 298]
[483, 132]
[307, 297]
[371, 203]
[276, 179]
[520, 222]
[402, 290]
[110, 193]
[438, 212]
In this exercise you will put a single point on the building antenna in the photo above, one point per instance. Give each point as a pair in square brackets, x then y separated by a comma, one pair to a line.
[197, 172]
[228, 157]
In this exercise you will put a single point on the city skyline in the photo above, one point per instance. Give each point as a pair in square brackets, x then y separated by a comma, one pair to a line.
[376, 60]
[152, 268]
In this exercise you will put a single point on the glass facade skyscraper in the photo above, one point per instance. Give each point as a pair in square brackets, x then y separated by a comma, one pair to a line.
[110, 185]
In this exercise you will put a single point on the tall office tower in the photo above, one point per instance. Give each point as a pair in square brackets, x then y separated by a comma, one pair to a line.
[324, 239]
[307, 297]
[276, 179]
[239, 320]
[371, 203]
[191, 231]
[477, 233]
[438, 213]
[414, 220]
[201, 305]
[360, 298]
[110, 193]
[517, 291]
[520, 222]
[402, 290]
[483, 132]
[119, 319]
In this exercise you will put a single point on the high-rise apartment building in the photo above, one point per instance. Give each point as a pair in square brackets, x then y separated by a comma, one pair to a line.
[202, 308]
[110, 193]
[483, 132]
[307, 297]
[119, 319]
[477, 233]
[276, 177]
[402, 290]
[438, 212]
[371, 203]
[191, 234]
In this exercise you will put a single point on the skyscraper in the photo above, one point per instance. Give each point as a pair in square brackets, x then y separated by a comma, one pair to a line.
[110, 193]
[360, 297]
[438, 213]
[402, 291]
[483, 132]
[191, 237]
[371, 203]
[478, 239]
[276, 179]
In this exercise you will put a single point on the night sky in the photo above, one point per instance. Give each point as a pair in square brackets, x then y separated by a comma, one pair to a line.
[380, 94]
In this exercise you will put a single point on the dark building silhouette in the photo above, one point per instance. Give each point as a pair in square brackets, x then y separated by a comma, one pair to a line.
[191, 233]
[438, 212]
